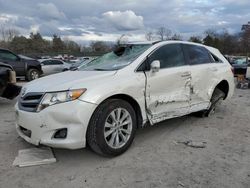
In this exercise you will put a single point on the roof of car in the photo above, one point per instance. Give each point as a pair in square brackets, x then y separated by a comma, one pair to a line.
[164, 42]
[140, 42]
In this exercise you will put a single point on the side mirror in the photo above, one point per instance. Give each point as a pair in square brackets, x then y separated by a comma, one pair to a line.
[155, 66]
[41, 64]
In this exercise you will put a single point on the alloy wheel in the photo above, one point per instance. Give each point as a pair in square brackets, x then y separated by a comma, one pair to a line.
[118, 128]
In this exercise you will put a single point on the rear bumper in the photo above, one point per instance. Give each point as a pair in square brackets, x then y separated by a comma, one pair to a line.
[73, 116]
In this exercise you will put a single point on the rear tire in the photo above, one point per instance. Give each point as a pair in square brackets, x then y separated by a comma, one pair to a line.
[32, 74]
[112, 128]
[216, 99]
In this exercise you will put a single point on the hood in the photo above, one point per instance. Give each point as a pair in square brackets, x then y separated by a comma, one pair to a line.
[66, 80]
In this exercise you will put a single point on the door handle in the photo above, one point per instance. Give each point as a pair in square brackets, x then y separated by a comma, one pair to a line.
[186, 74]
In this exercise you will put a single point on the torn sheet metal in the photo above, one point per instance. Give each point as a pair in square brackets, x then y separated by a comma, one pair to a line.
[168, 93]
[34, 156]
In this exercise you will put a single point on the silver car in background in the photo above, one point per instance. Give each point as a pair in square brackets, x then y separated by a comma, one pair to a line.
[52, 66]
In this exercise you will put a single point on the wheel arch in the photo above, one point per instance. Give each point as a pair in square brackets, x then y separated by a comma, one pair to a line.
[135, 105]
[223, 86]
[34, 67]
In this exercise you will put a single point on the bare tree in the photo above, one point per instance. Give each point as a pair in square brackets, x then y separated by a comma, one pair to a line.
[100, 46]
[11, 33]
[149, 36]
[2, 32]
[245, 38]
[197, 39]
[211, 33]
[163, 33]
[7, 34]
[176, 36]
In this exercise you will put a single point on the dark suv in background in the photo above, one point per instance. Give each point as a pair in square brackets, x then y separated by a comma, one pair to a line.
[30, 69]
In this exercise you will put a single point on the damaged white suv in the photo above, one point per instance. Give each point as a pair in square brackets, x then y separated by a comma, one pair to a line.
[103, 103]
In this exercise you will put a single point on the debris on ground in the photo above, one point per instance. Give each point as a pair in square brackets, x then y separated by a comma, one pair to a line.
[194, 144]
[71, 178]
[34, 156]
[181, 184]
[243, 82]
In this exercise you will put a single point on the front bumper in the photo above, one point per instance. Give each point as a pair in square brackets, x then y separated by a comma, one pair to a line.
[74, 116]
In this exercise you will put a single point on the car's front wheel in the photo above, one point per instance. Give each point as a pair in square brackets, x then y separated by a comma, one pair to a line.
[112, 127]
[32, 74]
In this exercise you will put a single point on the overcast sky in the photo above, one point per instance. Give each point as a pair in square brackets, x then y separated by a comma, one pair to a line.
[83, 20]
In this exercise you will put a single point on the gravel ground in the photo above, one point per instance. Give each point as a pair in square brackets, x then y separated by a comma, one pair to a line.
[157, 158]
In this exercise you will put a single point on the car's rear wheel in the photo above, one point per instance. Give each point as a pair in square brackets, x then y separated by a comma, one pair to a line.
[32, 74]
[112, 128]
[216, 99]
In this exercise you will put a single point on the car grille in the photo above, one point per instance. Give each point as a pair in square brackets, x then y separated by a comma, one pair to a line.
[30, 101]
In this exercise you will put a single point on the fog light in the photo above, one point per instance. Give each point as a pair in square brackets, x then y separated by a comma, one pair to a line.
[61, 133]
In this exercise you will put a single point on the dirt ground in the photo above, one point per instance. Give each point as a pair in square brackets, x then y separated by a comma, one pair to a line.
[155, 159]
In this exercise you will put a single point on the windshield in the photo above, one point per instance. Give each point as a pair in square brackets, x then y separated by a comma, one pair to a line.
[117, 59]
[240, 61]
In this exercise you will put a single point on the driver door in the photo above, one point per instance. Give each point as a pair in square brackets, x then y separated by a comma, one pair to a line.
[168, 89]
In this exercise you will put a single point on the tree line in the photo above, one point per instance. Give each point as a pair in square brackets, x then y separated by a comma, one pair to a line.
[35, 44]
[228, 44]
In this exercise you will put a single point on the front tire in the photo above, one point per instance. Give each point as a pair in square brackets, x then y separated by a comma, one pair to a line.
[32, 74]
[112, 128]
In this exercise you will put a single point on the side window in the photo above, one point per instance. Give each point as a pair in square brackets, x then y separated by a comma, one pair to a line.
[197, 54]
[47, 62]
[8, 56]
[214, 59]
[56, 62]
[170, 55]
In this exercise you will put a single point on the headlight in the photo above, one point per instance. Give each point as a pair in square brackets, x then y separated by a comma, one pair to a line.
[59, 97]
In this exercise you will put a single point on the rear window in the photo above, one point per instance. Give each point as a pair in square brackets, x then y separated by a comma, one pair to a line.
[197, 54]
[214, 58]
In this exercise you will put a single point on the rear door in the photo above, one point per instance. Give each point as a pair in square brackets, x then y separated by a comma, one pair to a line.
[13, 60]
[58, 65]
[48, 67]
[168, 90]
[204, 75]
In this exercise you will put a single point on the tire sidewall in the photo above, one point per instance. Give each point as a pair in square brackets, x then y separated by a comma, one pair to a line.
[107, 109]
[217, 96]
[29, 76]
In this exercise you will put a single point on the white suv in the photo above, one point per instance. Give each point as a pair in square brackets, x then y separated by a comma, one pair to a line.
[104, 102]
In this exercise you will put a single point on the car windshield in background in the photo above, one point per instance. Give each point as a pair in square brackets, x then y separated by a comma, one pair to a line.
[117, 59]
[240, 61]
